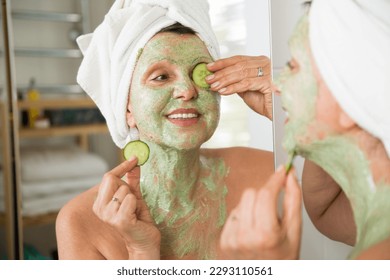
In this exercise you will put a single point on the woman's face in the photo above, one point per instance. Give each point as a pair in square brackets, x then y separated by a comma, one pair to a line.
[165, 104]
[301, 91]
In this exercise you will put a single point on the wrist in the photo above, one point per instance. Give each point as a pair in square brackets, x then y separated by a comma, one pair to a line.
[151, 252]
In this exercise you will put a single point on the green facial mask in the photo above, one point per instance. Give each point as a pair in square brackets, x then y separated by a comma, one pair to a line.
[299, 89]
[161, 80]
[184, 191]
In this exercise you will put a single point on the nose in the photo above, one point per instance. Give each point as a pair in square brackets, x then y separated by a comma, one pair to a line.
[185, 90]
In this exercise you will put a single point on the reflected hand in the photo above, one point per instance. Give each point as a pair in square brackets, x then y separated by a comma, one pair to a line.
[239, 74]
[254, 229]
[119, 203]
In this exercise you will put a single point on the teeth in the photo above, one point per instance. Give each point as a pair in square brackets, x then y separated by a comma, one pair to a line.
[183, 116]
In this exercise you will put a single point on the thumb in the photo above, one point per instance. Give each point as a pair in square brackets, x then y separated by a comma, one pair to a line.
[267, 198]
[292, 206]
[133, 180]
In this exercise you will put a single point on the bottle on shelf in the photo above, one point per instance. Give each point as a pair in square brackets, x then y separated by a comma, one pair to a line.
[36, 117]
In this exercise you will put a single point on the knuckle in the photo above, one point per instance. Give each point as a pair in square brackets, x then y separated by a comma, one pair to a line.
[266, 193]
[241, 66]
[245, 72]
[244, 84]
[95, 209]
[108, 177]
[105, 218]
[131, 197]
[123, 189]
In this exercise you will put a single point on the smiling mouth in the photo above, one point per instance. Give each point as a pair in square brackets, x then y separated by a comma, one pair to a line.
[184, 117]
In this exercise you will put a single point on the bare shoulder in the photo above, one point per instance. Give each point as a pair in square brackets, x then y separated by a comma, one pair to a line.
[251, 163]
[73, 227]
[248, 168]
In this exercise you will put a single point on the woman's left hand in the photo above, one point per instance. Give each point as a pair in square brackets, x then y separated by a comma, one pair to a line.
[241, 75]
[254, 229]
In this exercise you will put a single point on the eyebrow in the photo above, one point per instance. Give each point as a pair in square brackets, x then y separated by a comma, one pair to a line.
[206, 58]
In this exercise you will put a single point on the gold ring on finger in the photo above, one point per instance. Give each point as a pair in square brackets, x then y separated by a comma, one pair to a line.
[115, 199]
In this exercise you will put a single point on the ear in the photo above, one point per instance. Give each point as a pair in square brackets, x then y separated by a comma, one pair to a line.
[345, 120]
[129, 117]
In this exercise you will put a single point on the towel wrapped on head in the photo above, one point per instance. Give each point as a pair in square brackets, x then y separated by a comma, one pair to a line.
[350, 42]
[110, 52]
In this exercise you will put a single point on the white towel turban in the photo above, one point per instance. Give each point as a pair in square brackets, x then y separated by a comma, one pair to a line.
[350, 42]
[110, 52]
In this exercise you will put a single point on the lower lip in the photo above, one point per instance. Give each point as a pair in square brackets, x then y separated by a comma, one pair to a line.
[184, 122]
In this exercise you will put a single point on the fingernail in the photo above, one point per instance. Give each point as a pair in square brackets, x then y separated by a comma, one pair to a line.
[215, 84]
[222, 90]
[280, 168]
[210, 64]
[132, 158]
[208, 78]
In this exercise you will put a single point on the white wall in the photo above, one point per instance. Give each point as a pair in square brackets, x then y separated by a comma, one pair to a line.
[259, 43]
[284, 15]
[242, 28]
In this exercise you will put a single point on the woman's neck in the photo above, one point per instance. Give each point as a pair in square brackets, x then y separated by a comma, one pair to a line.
[185, 193]
[169, 178]
[350, 165]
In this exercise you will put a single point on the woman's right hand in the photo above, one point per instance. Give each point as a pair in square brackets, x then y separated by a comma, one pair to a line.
[256, 230]
[119, 203]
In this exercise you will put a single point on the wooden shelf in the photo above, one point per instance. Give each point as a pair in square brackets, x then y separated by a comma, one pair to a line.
[67, 89]
[49, 218]
[73, 130]
[57, 103]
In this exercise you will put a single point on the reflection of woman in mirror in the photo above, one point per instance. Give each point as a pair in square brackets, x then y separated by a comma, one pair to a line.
[336, 92]
[176, 206]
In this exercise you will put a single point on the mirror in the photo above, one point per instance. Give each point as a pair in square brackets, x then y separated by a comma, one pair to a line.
[46, 62]
[246, 34]
[284, 18]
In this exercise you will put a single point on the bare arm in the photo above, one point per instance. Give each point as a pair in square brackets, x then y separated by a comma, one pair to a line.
[327, 205]
[109, 221]
[72, 237]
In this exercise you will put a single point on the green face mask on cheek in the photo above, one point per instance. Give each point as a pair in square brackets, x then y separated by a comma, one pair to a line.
[299, 90]
[161, 78]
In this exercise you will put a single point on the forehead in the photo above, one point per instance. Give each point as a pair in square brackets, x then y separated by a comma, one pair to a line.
[169, 45]
[299, 39]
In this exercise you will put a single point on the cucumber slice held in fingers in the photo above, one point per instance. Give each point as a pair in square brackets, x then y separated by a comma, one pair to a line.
[199, 75]
[137, 148]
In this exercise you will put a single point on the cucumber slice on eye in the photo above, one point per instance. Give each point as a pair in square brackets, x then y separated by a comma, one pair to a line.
[199, 74]
[137, 148]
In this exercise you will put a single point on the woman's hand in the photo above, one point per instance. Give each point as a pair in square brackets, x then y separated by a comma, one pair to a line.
[240, 74]
[119, 204]
[254, 229]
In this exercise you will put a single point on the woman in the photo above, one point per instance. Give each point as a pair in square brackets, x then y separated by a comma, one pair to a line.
[178, 204]
[339, 120]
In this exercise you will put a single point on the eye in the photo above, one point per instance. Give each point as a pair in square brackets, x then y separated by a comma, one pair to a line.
[292, 65]
[162, 77]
